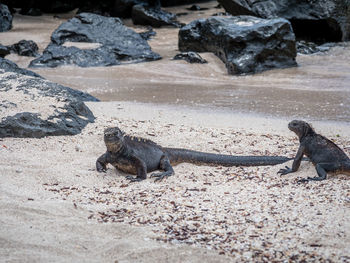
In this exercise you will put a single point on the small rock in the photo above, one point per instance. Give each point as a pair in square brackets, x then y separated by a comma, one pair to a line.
[25, 48]
[148, 34]
[191, 57]
[4, 51]
[194, 8]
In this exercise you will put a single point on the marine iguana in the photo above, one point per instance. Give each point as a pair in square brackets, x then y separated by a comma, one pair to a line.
[323, 153]
[139, 156]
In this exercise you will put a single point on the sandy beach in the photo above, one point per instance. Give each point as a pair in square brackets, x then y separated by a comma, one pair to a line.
[56, 207]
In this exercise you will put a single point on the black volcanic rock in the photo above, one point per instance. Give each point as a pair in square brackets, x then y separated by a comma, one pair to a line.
[146, 35]
[180, 2]
[4, 51]
[307, 48]
[118, 44]
[34, 107]
[196, 8]
[25, 48]
[5, 18]
[245, 44]
[123, 8]
[317, 21]
[30, 11]
[9, 66]
[190, 57]
[156, 17]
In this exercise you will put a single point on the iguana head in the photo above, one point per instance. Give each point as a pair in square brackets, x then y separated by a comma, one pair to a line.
[114, 139]
[301, 128]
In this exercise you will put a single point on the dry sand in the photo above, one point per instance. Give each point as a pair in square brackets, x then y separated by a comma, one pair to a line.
[56, 207]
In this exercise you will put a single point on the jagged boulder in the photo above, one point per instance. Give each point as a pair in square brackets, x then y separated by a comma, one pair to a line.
[25, 48]
[9, 66]
[5, 18]
[156, 17]
[318, 21]
[34, 107]
[245, 44]
[117, 44]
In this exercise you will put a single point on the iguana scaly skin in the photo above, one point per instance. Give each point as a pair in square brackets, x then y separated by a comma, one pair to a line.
[140, 156]
[323, 153]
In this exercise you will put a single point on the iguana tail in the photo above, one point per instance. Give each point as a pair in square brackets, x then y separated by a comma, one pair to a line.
[177, 155]
[346, 168]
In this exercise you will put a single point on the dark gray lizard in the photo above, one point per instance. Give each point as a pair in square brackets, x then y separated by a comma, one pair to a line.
[140, 156]
[323, 153]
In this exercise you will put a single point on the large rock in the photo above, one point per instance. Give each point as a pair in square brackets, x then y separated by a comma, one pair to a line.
[156, 17]
[5, 18]
[34, 107]
[9, 66]
[245, 44]
[318, 21]
[117, 44]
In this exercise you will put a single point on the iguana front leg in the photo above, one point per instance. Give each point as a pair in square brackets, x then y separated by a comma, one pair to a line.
[101, 163]
[165, 165]
[296, 162]
[322, 169]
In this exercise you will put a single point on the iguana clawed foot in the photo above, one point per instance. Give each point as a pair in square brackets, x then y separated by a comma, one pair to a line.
[133, 179]
[285, 170]
[161, 176]
[317, 178]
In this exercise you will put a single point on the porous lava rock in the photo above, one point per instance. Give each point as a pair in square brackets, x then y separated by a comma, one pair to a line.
[9, 66]
[25, 48]
[245, 44]
[117, 44]
[155, 17]
[318, 21]
[190, 57]
[123, 8]
[180, 2]
[4, 51]
[5, 18]
[35, 107]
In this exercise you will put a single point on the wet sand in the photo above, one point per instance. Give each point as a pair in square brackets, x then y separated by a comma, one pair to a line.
[318, 89]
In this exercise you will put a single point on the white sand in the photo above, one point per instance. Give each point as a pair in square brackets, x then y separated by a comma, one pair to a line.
[54, 204]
